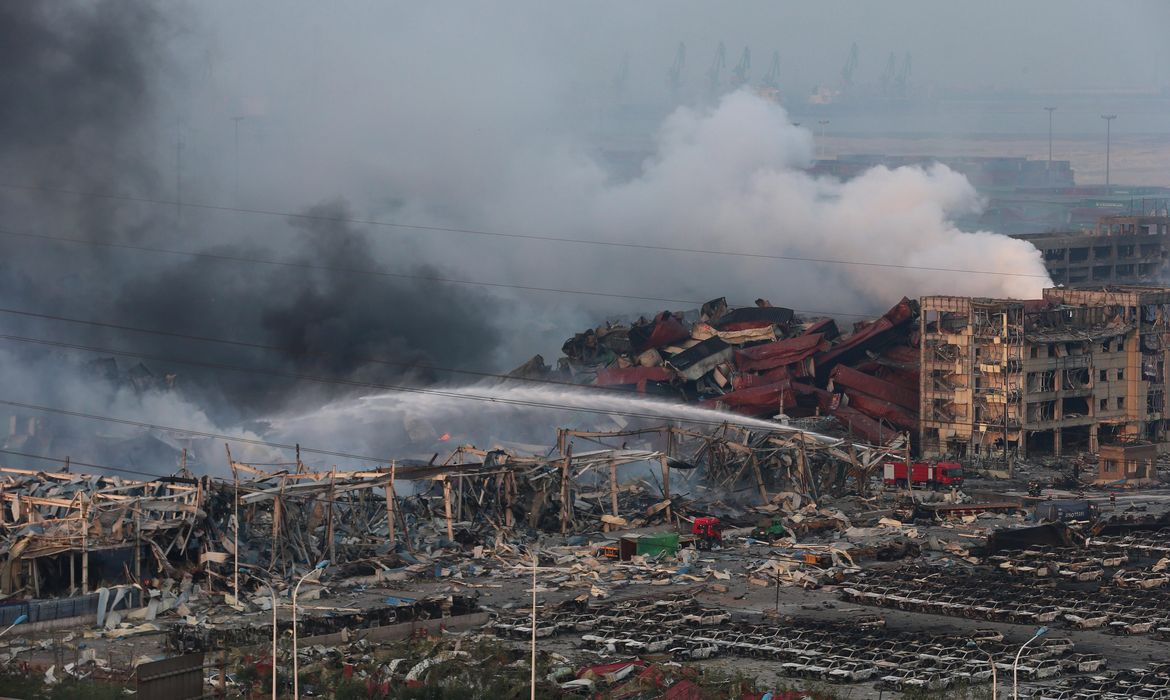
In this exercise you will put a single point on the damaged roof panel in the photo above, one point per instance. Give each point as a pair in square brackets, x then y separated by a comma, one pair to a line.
[780, 353]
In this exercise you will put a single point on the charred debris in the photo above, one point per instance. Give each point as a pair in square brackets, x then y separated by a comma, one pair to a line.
[70, 533]
[759, 361]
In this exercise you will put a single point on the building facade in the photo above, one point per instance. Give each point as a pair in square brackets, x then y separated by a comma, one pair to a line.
[1122, 250]
[1069, 372]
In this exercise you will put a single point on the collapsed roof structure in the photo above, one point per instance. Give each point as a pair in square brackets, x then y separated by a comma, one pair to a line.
[67, 533]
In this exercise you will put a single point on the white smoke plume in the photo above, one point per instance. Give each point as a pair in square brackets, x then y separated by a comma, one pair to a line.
[732, 178]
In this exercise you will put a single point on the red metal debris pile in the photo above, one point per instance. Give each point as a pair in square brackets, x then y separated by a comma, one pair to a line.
[759, 361]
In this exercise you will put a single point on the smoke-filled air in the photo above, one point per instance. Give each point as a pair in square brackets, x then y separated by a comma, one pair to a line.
[225, 218]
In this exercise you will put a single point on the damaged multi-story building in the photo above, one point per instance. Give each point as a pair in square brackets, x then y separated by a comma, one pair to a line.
[1120, 250]
[1074, 370]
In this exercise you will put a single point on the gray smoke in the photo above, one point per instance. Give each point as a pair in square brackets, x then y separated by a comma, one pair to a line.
[475, 118]
[82, 112]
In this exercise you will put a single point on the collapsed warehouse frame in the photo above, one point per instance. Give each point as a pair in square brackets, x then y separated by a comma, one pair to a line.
[270, 524]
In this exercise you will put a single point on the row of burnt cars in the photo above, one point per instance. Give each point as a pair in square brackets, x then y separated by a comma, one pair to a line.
[856, 649]
[1114, 583]
[1110, 583]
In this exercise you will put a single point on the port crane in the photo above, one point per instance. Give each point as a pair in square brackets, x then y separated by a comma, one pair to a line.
[739, 74]
[717, 66]
[674, 74]
[901, 81]
[771, 79]
[850, 67]
[623, 75]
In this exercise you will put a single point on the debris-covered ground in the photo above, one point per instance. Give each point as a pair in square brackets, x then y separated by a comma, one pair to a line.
[847, 596]
[722, 557]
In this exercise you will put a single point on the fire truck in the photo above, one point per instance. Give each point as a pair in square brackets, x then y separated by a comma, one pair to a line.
[925, 474]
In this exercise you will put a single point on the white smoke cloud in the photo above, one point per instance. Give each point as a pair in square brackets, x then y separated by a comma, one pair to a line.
[732, 178]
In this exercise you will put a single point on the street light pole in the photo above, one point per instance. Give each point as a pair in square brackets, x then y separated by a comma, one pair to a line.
[990, 662]
[1108, 123]
[1050, 110]
[267, 580]
[296, 662]
[20, 620]
[237, 120]
[532, 678]
[272, 592]
[1016, 664]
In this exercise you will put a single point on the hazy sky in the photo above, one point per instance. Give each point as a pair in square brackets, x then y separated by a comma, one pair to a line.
[494, 116]
[1044, 44]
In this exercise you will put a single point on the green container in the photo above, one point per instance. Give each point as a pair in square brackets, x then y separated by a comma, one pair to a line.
[654, 545]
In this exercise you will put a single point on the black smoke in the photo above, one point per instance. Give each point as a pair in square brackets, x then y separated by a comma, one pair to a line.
[326, 315]
[84, 109]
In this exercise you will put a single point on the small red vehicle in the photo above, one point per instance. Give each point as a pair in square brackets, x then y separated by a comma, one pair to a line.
[707, 531]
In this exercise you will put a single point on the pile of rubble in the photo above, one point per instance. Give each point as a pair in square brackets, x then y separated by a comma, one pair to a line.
[759, 361]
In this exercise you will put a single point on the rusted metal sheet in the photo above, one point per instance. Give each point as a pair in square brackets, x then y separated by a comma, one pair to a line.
[666, 328]
[870, 337]
[757, 401]
[903, 355]
[176, 678]
[877, 388]
[754, 317]
[780, 353]
[637, 377]
[861, 425]
[747, 380]
[613, 376]
[826, 327]
[877, 408]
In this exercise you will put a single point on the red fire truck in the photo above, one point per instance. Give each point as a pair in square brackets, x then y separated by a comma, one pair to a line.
[926, 474]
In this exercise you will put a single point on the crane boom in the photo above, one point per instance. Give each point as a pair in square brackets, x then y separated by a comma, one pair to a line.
[744, 68]
[674, 74]
[850, 66]
[772, 77]
[717, 66]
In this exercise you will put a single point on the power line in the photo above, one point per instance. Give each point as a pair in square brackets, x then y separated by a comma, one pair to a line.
[333, 268]
[517, 236]
[73, 462]
[323, 355]
[186, 431]
[526, 403]
[379, 273]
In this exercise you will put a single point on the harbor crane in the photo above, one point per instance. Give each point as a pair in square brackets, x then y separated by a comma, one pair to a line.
[674, 74]
[850, 67]
[902, 80]
[743, 69]
[623, 75]
[717, 66]
[771, 79]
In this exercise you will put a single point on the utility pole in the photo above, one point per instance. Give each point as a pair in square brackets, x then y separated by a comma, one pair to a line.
[178, 169]
[823, 123]
[237, 121]
[1108, 123]
[1050, 110]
